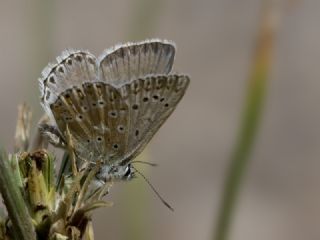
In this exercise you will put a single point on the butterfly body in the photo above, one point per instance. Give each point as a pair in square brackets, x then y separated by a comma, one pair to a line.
[112, 106]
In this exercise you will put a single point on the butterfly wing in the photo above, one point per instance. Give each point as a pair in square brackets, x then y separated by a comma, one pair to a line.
[115, 124]
[97, 118]
[72, 69]
[131, 61]
[72, 96]
[150, 101]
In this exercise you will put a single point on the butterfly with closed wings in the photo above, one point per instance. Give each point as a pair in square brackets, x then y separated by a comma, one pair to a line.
[111, 105]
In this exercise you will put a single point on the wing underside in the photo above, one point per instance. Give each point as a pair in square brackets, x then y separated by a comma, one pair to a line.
[114, 124]
[115, 104]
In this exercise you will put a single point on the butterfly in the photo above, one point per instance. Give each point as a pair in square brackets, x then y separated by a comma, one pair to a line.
[111, 105]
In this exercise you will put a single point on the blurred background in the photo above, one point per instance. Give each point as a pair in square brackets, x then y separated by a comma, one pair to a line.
[280, 196]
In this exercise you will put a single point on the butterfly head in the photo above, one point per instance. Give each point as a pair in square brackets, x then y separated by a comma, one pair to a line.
[115, 172]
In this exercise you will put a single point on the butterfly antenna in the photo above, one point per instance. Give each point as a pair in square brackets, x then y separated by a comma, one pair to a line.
[147, 163]
[154, 190]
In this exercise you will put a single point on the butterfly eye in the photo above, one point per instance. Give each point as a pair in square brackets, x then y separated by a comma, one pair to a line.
[128, 172]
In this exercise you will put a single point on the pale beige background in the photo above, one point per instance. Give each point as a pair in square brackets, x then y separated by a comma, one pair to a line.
[215, 38]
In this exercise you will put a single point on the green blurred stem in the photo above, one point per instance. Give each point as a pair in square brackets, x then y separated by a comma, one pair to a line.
[250, 122]
[14, 202]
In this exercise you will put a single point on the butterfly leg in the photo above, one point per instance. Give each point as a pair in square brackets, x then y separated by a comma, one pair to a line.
[52, 134]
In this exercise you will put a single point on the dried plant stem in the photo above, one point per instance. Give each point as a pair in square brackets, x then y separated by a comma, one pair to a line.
[252, 113]
[21, 138]
[71, 152]
[18, 213]
[39, 141]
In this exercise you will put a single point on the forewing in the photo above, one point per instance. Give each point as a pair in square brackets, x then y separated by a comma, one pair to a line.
[72, 69]
[150, 101]
[135, 60]
[97, 119]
